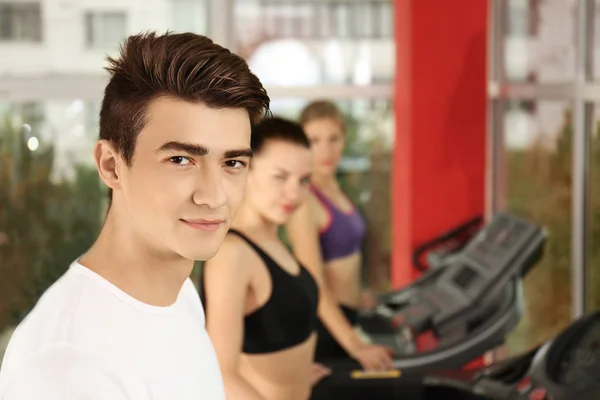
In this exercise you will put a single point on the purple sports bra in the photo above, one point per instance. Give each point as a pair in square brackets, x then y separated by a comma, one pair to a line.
[344, 232]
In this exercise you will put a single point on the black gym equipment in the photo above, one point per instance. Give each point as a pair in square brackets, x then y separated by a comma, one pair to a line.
[565, 368]
[470, 304]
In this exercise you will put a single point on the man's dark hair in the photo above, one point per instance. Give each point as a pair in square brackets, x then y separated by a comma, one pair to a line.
[186, 66]
[276, 128]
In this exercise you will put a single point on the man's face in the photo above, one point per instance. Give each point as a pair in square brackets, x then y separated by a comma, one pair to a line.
[187, 177]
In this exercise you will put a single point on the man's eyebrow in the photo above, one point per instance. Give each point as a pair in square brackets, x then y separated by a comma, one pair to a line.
[188, 148]
[238, 153]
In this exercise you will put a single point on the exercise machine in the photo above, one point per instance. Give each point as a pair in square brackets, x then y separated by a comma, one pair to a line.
[469, 305]
[564, 368]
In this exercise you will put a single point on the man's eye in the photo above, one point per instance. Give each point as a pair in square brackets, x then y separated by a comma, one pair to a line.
[180, 160]
[235, 164]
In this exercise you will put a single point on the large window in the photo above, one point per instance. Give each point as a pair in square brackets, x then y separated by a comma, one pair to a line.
[539, 40]
[593, 239]
[51, 202]
[544, 150]
[20, 22]
[537, 185]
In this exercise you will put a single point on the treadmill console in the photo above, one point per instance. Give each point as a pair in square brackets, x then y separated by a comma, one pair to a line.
[470, 304]
[504, 249]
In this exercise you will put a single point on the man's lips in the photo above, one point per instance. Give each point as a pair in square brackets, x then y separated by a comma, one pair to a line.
[204, 224]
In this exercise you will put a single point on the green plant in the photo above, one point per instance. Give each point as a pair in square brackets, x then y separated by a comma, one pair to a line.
[45, 223]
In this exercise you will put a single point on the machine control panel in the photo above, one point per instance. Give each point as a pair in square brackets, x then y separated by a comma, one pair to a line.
[498, 253]
[472, 300]
[501, 251]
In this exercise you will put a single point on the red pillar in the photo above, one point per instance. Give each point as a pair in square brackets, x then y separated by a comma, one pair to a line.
[440, 103]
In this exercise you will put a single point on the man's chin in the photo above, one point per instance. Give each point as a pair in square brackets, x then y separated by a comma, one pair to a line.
[201, 249]
[200, 254]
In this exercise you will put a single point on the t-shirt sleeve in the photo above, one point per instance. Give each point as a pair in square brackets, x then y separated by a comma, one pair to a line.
[65, 374]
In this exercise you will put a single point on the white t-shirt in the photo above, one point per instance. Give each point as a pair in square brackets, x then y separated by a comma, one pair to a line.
[88, 340]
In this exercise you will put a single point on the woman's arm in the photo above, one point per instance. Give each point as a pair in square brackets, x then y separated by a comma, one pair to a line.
[303, 233]
[226, 282]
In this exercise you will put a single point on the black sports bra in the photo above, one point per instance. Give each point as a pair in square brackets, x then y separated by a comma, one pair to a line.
[289, 316]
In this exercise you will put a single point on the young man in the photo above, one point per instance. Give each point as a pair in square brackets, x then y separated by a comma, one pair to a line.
[125, 321]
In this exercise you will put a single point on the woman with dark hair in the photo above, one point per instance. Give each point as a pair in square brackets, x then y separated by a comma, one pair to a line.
[261, 303]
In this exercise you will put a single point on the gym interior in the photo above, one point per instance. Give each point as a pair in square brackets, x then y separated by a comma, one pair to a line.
[472, 153]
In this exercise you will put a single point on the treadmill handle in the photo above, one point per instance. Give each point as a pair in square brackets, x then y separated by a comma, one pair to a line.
[467, 229]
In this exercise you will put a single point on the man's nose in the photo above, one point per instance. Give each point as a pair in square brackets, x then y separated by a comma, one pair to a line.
[210, 188]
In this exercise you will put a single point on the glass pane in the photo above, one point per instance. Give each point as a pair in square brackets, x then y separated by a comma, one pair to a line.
[52, 202]
[539, 42]
[105, 30]
[189, 16]
[20, 22]
[365, 175]
[315, 42]
[537, 158]
[593, 281]
[596, 42]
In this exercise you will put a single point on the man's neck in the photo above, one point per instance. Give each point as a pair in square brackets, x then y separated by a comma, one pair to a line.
[131, 264]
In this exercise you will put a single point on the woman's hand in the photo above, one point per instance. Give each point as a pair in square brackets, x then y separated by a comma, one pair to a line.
[374, 357]
[319, 371]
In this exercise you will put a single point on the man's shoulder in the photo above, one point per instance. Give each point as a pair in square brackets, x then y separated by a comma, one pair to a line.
[65, 372]
[70, 312]
[46, 320]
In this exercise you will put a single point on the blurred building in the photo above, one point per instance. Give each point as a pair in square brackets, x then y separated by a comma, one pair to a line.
[55, 38]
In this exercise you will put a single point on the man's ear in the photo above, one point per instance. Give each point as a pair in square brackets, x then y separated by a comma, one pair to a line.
[107, 162]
